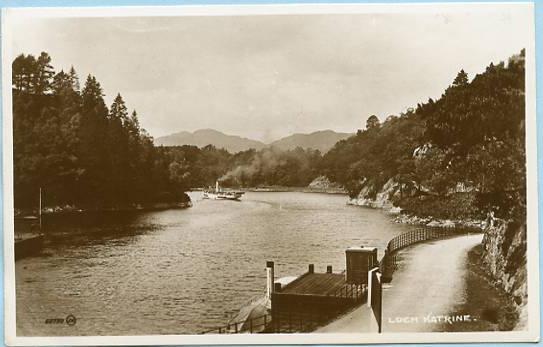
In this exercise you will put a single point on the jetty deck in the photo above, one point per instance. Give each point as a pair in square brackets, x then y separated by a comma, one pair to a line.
[316, 284]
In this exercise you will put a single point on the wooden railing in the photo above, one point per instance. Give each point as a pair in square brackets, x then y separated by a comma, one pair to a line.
[297, 322]
[357, 292]
[252, 325]
[292, 321]
[389, 262]
[287, 322]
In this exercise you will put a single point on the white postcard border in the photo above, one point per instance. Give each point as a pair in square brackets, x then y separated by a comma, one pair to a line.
[531, 335]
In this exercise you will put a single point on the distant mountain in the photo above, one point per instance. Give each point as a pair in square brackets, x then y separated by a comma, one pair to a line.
[204, 137]
[322, 140]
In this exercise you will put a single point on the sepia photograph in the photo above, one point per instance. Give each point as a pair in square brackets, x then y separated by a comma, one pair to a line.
[355, 173]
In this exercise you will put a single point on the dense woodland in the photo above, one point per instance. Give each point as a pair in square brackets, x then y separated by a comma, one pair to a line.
[79, 151]
[460, 156]
[267, 167]
[456, 157]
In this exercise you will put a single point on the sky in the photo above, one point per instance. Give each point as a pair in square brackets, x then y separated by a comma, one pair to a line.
[268, 76]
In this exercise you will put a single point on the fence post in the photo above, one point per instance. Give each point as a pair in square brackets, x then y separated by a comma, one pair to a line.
[370, 279]
[290, 322]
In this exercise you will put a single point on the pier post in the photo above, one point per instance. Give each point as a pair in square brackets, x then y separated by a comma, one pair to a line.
[277, 287]
[269, 282]
[370, 274]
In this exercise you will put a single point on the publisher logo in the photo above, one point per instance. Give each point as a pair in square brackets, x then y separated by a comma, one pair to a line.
[69, 320]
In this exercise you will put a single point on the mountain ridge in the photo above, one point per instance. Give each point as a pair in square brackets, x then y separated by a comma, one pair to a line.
[204, 137]
[322, 140]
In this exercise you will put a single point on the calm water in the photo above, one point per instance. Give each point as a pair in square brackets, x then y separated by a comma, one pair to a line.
[183, 271]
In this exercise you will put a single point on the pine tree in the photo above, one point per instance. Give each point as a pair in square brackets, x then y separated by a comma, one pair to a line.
[43, 74]
[118, 110]
[94, 150]
[461, 79]
[120, 154]
[74, 79]
[24, 71]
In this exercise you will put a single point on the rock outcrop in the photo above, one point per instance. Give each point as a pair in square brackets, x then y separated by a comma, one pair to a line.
[382, 198]
[504, 257]
[322, 183]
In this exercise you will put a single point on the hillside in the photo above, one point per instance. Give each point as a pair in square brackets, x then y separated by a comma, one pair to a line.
[321, 140]
[459, 156]
[204, 137]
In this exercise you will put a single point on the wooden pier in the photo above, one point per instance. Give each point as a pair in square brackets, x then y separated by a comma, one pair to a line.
[28, 237]
[320, 284]
[28, 245]
[313, 299]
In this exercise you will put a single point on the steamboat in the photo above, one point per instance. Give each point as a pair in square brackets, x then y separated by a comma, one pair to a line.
[219, 194]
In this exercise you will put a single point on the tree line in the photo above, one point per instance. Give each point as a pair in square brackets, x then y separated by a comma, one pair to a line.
[79, 151]
[201, 167]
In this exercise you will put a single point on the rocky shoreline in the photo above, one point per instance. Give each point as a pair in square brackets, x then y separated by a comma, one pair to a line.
[429, 221]
[282, 189]
[441, 223]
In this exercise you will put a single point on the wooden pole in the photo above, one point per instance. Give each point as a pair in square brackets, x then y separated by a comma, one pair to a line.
[270, 277]
[39, 213]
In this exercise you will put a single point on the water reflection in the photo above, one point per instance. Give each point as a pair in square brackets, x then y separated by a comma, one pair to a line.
[98, 228]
